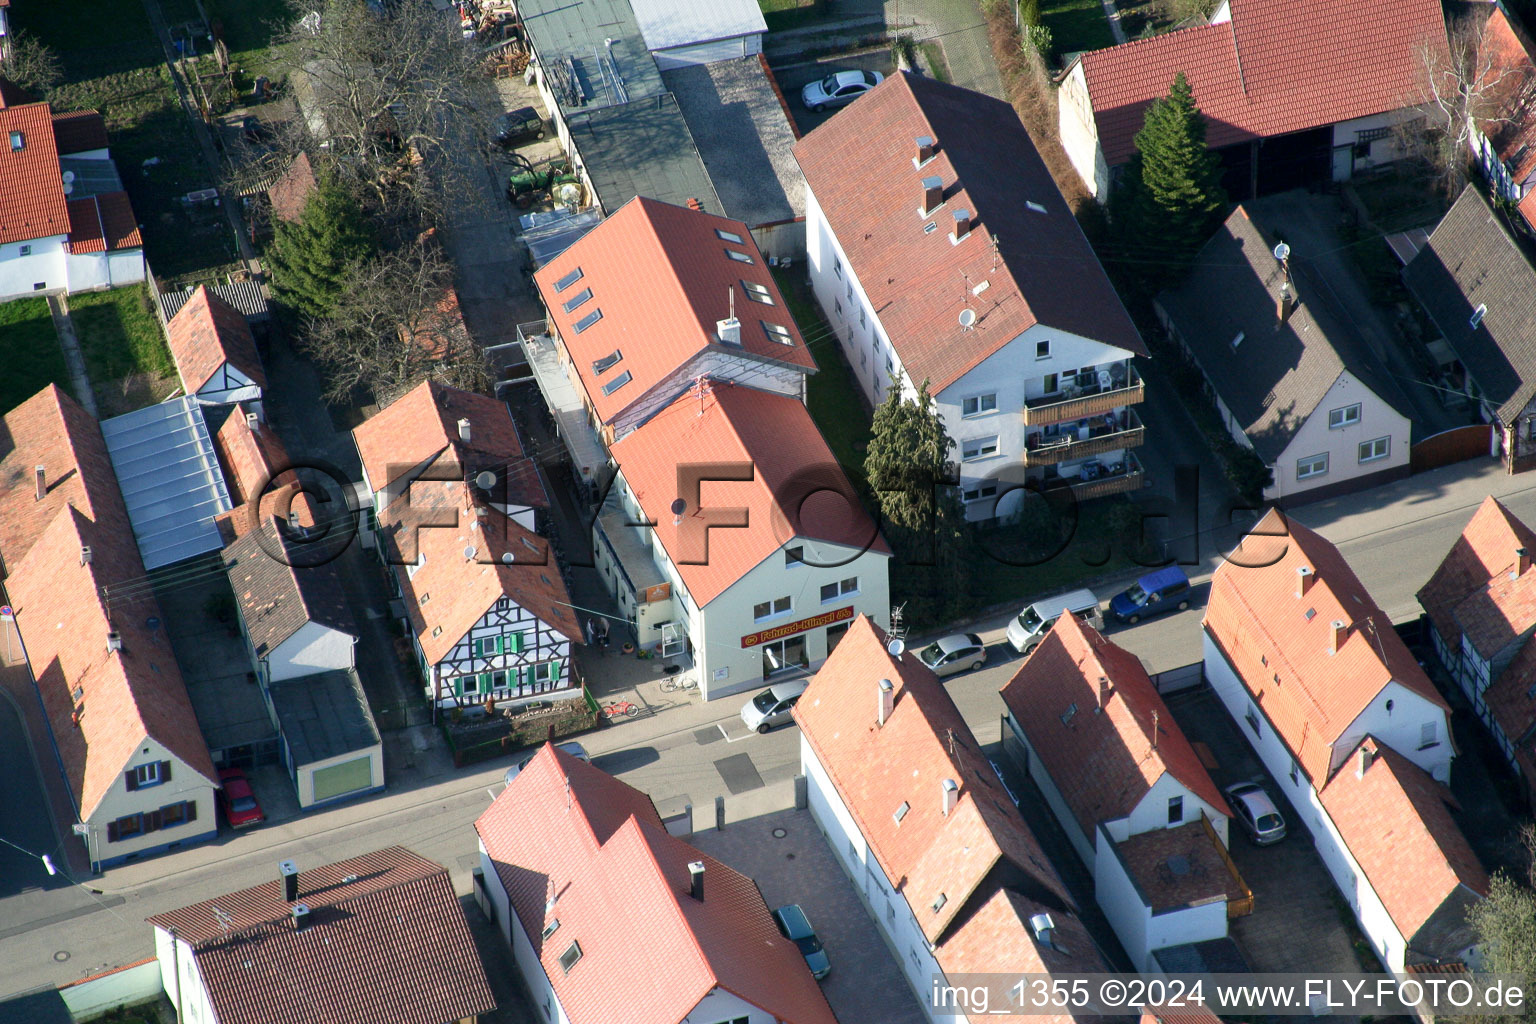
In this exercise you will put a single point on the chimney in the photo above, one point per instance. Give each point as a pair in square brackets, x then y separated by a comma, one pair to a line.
[696, 880]
[949, 792]
[1287, 303]
[85, 554]
[293, 517]
[300, 914]
[887, 700]
[252, 420]
[728, 331]
[962, 226]
[1337, 636]
[1366, 757]
[464, 430]
[288, 871]
[933, 195]
[1522, 563]
[695, 205]
[1303, 581]
[42, 482]
[1105, 690]
[114, 641]
[925, 150]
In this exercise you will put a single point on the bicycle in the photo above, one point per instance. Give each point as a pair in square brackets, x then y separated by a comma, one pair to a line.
[674, 683]
[620, 707]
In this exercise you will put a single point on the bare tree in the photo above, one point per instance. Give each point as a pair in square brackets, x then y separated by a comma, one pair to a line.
[1469, 88]
[395, 326]
[389, 90]
[31, 65]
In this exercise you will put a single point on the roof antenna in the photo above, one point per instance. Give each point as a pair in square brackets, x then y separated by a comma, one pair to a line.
[996, 255]
[1154, 728]
[701, 385]
[225, 921]
[730, 292]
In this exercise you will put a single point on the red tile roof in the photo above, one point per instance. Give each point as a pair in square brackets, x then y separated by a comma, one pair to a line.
[1105, 758]
[944, 860]
[450, 593]
[1281, 652]
[1038, 266]
[1273, 69]
[661, 277]
[794, 492]
[77, 131]
[251, 456]
[420, 429]
[290, 192]
[1395, 822]
[32, 201]
[1192, 1014]
[387, 941]
[1204, 877]
[102, 223]
[206, 334]
[1510, 76]
[279, 592]
[573, 845]
[1483, 554]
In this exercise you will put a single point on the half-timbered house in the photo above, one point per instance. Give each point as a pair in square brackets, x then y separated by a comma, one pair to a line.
[215, 352]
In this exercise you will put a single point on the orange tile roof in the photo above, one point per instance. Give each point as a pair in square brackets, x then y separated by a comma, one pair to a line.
[661, 277]
[572, 844]
[794, 491]
[1483, 554]
[1194, 1013]
[1204, 877]
[206, 334]
[32, 202]
[1281, 653]
[420, 428]
[1038, 266]
[1105, 758]
[252, 457]
[1511, 700]
[450, 593]
[291, 191]
[1273, 69]
[949, 864]
[76, 131]
[120, 226]
[1395, 822]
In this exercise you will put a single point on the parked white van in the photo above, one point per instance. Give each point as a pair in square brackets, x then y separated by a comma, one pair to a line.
[1029, 627]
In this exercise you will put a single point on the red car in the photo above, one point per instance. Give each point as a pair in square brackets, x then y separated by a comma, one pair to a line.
[237, 800]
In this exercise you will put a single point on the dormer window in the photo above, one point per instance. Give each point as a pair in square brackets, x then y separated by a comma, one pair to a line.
[603, 365]
[575, 301]
[588, 320]
[568, 280]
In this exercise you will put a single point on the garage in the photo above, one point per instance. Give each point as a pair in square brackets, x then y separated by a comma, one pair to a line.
[683, 33]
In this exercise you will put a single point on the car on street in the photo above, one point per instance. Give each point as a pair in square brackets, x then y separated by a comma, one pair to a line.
[838, 88]
[237, 800]
[796, 927]
[1256, 813]
[962, 652]
[774, 705]
[571, 747]
[1153, 594]
[516, 126]
[1028, 628]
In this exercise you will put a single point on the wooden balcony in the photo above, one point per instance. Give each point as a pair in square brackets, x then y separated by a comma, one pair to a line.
[1082, 403]
[1130, 478]
[1048, 451]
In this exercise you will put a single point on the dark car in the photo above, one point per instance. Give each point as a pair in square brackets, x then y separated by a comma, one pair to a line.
[1153, 594]
[516, 126]
[237, 800]
[796, 927]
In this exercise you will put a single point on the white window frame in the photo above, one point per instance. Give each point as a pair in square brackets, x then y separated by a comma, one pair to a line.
[979, 444]
[773, 613]
[145, 775]
[1318, 464]
[840, 589]
[979, 400]
[729, 236]
[1043, 349]
[981, 492]
[1385, 444]
[1340, 418]
[758, 292]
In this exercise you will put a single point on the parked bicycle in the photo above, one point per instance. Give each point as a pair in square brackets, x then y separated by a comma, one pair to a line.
[616, 708]
[674, 683]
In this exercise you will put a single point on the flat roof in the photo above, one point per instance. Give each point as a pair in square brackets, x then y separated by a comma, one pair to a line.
[671, 23]
[324, 716]
[643, 148]
[744, 138]
[170, 479]
[89, 177]
[1179, 867]
[592, 52]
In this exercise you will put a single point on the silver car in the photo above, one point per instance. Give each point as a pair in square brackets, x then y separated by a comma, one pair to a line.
[962, 652]
[571, 747]
[773, 706]
[838, 88]
[1256, 812]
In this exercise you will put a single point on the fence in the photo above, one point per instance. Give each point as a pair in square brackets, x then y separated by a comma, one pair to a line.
[1181, 678]
[1451, 446]
[526, 731]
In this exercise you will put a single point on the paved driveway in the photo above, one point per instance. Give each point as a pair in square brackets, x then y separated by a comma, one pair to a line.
[24, 818]
[796, 76]
[865, 986]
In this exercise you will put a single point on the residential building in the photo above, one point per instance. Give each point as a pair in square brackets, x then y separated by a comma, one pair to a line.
[1292, 94]
[1352, 731]
[1128, 789]
[1481, 604]
[215, 352]
[937, 850]
[682, 35]
[731, 538]
[123, 727]
[1291, 378]
[579, 874]
[252, 456]
[380, 937]
[66, 224]
[1503, 139]
[941, 251]
[1478, 287]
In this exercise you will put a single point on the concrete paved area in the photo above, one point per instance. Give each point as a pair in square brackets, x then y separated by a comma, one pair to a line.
[788, 857]
[28, 827]
[74, 359]
[796, 75]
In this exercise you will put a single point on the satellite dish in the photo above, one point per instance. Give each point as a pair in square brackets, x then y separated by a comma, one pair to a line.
[485, 480]
[506, 558]
[68, 188]
[469, 552]
[69, 177]
[679, 506]
[897, 647]
[1282, 252]
[967, 318]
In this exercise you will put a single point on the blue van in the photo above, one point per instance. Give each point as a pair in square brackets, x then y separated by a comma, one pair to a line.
[1155, 593]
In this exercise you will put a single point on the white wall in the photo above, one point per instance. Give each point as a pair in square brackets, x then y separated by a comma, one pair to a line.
[314, 648]
[196, 1006]
[720, 1005]
[306, 775]
[185, 785]
[1383, 150]
[1069, 824]
[45, 265]
[1401, 728]
[732, 48]
[1080, 133]
[1151, 813]
[96, 270]
[719, 364]
[1377, 419]
[541, 992]
[125, 986]
[229, 386]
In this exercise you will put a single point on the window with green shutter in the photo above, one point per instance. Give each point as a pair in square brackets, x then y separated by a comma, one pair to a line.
[488, 646]
[513, 642]
[484, 679]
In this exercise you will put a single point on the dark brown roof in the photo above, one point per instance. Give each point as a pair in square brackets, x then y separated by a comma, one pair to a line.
[387, 942]
[1273, 380]
[75, 131]
[1471, 260]
[280, 587]
[1038, 265]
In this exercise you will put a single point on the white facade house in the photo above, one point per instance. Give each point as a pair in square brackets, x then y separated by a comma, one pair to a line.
[959, 279]
[1354, 734]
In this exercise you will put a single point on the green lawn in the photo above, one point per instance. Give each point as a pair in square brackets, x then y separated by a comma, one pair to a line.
[1076, 25]
[832, 393]
[29, 351]
[119, 335]
[933, 53]
[247, 27]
